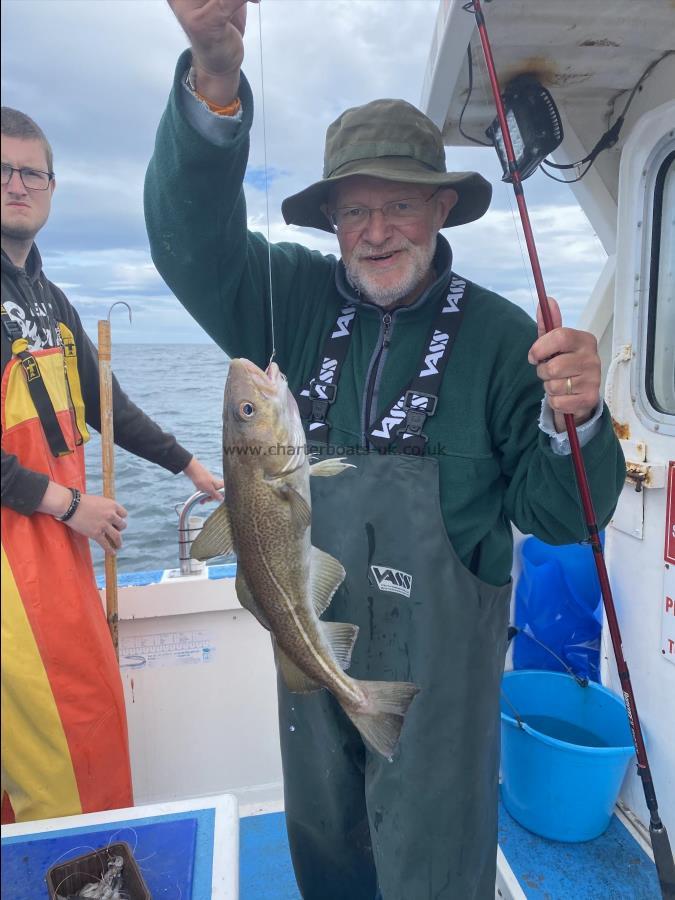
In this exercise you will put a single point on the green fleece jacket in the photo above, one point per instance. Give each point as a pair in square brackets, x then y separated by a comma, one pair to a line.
[495, 465]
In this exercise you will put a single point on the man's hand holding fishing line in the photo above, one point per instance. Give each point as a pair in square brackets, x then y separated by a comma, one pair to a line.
[216, 32]
[567, 362]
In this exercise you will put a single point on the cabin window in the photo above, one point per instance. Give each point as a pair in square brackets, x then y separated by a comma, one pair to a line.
[660, 367]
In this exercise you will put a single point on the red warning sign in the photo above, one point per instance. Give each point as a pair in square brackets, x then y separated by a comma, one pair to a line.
[669, 550]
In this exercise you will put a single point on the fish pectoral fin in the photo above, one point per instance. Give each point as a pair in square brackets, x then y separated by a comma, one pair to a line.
[328, 467]
[294, 678]
[300, 509]
[247, 600]
[341, 636]
[326, 576]
[215, 538]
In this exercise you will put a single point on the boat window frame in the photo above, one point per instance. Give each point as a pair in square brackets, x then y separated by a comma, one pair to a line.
[653, 418]
[666, 166]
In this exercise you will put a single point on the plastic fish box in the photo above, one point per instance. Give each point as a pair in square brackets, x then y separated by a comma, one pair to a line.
[67, 878]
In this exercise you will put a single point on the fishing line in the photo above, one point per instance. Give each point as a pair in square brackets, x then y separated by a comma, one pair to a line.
[267, 193]
[112, 837]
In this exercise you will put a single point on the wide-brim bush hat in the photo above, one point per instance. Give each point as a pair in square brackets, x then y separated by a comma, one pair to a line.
[392, 140]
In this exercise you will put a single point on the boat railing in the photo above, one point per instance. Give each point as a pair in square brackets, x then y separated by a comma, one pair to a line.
[188, 528]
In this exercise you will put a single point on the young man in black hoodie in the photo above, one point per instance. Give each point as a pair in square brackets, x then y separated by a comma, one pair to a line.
[64, 737]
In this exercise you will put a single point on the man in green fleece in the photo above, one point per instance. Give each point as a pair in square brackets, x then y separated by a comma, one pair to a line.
[451, 408]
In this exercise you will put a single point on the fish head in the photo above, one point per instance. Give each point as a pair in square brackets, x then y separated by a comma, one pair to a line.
[261, 420]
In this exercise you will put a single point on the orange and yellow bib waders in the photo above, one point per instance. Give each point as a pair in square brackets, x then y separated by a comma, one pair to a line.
[64, 733]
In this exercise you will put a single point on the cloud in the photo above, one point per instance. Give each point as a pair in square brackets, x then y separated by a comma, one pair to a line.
[97, 78]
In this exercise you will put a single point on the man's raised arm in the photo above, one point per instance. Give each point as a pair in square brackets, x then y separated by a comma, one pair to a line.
[215, 29]
[195, 208]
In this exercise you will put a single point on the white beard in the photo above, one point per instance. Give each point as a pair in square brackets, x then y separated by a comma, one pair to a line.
[419, 258]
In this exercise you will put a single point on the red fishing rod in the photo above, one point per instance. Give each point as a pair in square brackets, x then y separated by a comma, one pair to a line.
[663, 856]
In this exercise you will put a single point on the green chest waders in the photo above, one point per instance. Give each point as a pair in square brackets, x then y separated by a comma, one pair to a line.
[423, 827]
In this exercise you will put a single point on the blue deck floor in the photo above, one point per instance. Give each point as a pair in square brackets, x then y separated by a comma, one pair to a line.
[613, 867]
[265, 869]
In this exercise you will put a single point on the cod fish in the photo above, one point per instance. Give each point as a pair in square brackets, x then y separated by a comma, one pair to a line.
[283, 580]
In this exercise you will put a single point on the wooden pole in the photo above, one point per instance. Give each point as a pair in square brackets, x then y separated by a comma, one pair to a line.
[108, 458]
[108, 464]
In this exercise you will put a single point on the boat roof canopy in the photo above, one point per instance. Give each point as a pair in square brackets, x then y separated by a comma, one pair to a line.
[586, 52]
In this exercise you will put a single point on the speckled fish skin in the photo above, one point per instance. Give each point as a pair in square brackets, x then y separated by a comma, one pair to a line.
[273, 547]
[281, 578]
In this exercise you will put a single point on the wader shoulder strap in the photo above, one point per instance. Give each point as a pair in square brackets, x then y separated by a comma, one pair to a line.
[319, 393]
[36, 387]
[402, 425]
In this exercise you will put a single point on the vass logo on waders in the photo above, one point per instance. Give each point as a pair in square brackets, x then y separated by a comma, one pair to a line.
[392, 580]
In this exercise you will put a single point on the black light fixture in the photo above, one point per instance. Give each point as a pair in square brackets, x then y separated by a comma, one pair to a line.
[534, 124]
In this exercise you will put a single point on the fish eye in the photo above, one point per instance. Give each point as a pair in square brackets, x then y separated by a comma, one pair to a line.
[246, 409]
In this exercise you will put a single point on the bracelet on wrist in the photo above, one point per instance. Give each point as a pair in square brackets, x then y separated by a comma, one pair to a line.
[230, 110]
[74, 503]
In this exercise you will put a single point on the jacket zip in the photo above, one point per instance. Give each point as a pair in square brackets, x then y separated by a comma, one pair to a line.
[374, 372]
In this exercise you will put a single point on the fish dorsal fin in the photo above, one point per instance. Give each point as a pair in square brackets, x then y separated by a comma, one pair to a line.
[247, 600]
[215, 538]
[326, 576]
[341, 636]
[294, 679]
[328, 467]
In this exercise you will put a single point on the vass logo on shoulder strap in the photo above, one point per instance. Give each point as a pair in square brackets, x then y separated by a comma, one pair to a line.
[316, 397]
[402, 425]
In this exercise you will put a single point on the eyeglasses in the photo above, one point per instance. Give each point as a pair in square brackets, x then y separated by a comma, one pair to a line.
[346, 219]
[32, 179]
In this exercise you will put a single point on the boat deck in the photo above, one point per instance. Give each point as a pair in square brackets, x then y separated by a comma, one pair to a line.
[612, 866]
[188, 849]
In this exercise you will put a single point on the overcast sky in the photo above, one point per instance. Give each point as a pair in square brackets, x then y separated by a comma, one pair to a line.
[95, 75]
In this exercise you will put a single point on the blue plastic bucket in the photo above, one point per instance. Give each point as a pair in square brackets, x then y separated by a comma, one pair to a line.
[562, 771]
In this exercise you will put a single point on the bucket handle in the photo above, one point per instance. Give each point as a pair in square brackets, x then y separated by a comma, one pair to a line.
[520, 722]
[582, 681]
[512, 632]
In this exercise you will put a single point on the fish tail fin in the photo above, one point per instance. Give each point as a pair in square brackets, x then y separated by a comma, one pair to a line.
[380, 720]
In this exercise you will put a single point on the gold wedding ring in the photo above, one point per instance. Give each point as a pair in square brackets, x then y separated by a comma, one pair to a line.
[569, 386]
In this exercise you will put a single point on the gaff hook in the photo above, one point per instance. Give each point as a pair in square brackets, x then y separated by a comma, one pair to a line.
[120, 303]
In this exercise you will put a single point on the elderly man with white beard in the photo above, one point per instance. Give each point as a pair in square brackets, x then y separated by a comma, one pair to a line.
[450, 405]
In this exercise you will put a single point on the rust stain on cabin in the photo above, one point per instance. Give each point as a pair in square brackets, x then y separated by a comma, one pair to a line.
[621, 430]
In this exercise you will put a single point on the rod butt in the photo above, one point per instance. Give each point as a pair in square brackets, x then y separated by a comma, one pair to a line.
[663, 858]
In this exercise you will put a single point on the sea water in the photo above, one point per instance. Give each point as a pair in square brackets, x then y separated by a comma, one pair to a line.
[180, 386]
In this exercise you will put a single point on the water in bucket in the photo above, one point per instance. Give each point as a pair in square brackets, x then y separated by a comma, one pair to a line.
[564, 731]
